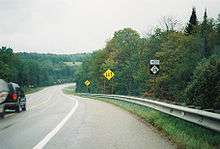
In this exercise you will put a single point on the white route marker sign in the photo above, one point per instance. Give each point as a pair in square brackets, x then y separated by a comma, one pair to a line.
[154, 69]
[154, 66]
[154, 62]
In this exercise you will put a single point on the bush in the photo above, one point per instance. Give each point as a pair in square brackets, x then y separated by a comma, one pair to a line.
[204, 89]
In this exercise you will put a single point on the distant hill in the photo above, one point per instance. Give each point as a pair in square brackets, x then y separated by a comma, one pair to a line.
[55, 58]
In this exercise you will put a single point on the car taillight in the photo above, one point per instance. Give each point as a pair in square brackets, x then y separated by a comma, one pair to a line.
[13, 96]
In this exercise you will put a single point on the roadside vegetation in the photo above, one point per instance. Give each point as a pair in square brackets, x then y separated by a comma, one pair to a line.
[69, 90]
[189, 63]
[32, 70]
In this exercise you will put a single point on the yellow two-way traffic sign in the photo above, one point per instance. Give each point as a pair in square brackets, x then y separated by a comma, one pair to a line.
[109, 74]
[87, 82]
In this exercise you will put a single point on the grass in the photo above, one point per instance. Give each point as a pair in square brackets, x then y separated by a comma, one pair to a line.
[186, 135]
[69, 90]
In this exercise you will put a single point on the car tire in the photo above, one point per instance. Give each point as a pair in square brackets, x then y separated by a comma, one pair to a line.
[24, 108]
[2, 115]
[18, 108]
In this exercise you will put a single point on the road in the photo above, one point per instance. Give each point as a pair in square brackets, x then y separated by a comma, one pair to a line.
[57, 121]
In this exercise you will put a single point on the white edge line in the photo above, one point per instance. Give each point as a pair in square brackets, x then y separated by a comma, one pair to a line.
[51, 134]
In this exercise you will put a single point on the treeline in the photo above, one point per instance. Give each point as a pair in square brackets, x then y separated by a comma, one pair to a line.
[189, 64]
[54, 58]
[34, 70]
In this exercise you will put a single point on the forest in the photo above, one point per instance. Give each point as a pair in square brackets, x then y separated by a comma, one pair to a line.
[189, 63]
[37, 70]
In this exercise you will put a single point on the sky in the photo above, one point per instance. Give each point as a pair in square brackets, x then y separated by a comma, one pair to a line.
[75, 26]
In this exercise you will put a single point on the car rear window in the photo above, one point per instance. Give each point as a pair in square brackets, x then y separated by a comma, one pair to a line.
[11, 88]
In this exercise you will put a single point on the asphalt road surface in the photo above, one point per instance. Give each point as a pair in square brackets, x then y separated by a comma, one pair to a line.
[57, 121]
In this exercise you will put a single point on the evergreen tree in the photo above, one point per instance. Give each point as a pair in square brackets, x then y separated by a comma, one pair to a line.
[205, 34]
[192, 22]
[218, 30]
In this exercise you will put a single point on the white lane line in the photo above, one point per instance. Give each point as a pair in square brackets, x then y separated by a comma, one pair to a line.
[50, 135]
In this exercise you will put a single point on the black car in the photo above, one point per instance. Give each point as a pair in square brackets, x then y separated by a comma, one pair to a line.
[16, 99]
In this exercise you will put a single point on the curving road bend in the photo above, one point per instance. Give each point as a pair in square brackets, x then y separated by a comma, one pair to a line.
[57, 121]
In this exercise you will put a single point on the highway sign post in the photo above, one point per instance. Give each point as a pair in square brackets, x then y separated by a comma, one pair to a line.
[109, 74]
[87, 83]
[154, 66]
[154, 69]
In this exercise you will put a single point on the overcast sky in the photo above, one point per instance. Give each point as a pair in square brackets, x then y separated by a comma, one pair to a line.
[73, 26]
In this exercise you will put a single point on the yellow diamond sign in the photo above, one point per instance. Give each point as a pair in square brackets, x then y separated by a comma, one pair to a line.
[109, 74]
[87, 82]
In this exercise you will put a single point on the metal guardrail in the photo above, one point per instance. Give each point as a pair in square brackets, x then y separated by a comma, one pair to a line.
[203, 118]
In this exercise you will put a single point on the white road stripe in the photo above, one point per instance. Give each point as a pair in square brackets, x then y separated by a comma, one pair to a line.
[50, 135]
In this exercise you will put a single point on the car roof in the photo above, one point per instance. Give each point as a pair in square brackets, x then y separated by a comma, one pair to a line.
[14, 84]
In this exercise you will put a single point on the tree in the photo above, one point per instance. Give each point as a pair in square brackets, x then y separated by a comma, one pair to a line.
[193, 22]
[182, 76]
[36, 69]
[126, 42]
[206, 50]
[218, 30]
[179, 55]
[9, 64]
[204, 89]
[169, 23]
